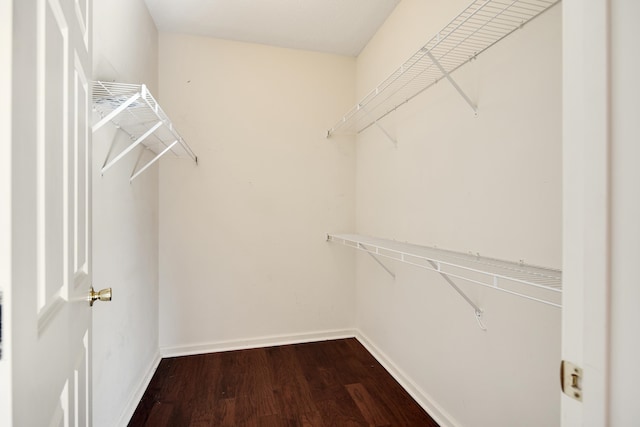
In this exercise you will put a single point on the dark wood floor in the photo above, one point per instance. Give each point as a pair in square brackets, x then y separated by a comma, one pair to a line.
[330, 383]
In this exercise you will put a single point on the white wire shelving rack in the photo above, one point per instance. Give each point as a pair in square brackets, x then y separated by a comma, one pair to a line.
[132, 109]
[533, 283]
[478, 27]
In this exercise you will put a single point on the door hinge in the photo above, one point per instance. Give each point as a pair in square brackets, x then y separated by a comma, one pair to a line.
[571, 380]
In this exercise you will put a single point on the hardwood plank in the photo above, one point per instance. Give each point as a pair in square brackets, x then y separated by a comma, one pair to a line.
[339, 413]
[161, 415]
[271, 421]
[246, 412]
[231, 379]
[224, 413]
[370, 409]
[290, 386]
[312, 419]
[320, 372]
[220, 412]
[257, 383]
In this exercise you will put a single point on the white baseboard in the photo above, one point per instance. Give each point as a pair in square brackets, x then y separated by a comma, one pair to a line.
[136, 396]
[216, 347]
[425, 400]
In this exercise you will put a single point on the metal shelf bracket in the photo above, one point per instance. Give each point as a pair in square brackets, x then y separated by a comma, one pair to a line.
[379, 126]
[115, 112]
[374, 121]
[376, 259]
[455, 85]
[152, 161]
[130, 148]
[477, 310]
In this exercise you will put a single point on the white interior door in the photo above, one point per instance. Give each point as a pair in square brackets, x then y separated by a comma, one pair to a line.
[50, 214]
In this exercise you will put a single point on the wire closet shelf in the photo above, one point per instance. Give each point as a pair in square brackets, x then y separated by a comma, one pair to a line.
[482, 24]
[539, 284]
[132, 109]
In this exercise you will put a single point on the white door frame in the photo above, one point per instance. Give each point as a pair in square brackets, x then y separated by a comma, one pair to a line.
[601, 209]
[585, 205]
[6, 40]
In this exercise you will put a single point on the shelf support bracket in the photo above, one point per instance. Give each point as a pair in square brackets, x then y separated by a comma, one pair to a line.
[376, 259]
[169, 125]
[115, 112]
[477, 310]
[453, 83]
[131, 147]
[379, 126]
[152, 161]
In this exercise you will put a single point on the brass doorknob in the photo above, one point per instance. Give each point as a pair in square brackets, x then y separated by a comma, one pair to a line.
[102, 295]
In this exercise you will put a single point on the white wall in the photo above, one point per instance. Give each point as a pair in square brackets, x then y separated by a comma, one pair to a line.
[491, 185]
[125, 224]
[243, 259]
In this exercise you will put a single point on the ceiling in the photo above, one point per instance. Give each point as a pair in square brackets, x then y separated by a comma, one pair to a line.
[334, 26]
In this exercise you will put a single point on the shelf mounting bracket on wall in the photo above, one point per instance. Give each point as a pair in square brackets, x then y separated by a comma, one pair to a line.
[376, 122]
[115, 112]
[455, 85]
[132, 109]
[130, 148]
[376, 259]
[477, 310]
